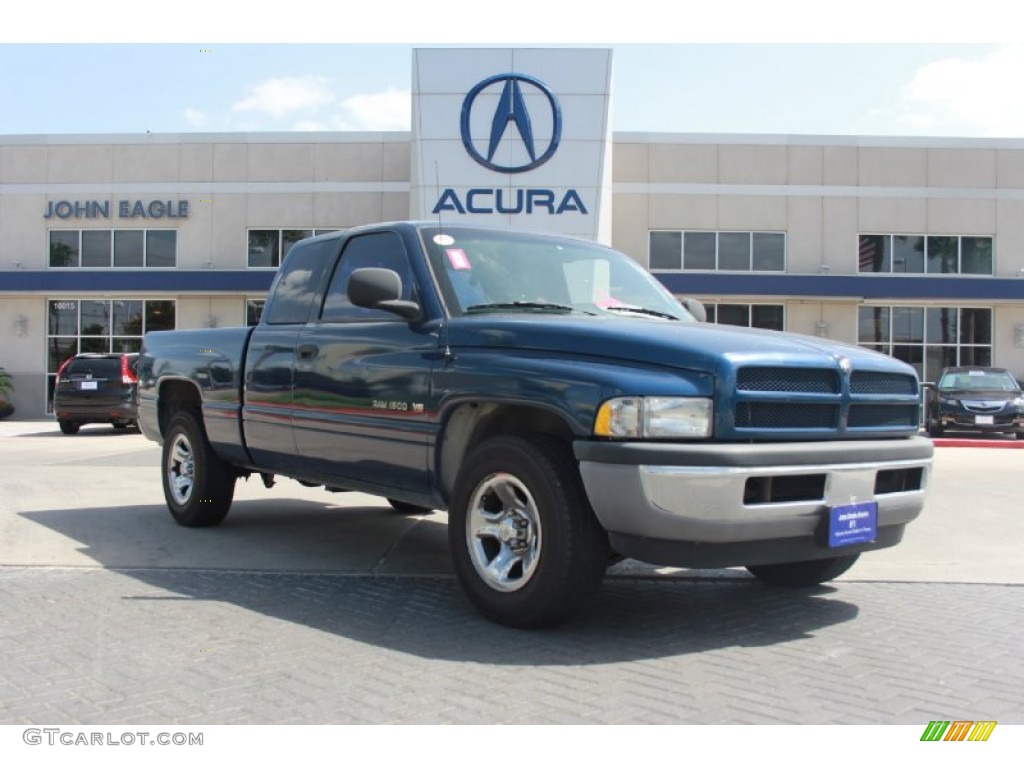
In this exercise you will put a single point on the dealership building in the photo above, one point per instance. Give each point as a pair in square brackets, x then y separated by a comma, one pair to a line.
[910, 246]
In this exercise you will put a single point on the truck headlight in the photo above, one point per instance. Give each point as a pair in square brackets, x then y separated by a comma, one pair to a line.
[655, 417]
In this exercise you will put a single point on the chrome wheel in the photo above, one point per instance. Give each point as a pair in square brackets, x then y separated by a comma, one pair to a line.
[181, 469]
[198, 484]
[503, 532]
[526, 546]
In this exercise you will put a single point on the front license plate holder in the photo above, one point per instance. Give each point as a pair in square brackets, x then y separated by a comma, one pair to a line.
[850, 524]
[984, 420]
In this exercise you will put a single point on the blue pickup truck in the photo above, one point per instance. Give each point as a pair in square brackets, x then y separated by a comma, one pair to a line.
[555, 399]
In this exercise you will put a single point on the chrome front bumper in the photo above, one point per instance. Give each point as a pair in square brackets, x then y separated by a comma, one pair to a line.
[722, 495]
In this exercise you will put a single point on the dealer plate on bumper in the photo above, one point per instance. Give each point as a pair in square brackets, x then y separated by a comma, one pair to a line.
[852, 524]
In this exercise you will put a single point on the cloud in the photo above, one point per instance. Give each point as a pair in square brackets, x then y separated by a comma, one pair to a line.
[282, 96]
[390, 110]
[968, 96]
[195, 118]
[311, 125]
[309, 103]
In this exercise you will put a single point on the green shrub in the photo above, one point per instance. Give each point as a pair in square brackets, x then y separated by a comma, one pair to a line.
[6, 384]
[6, 391]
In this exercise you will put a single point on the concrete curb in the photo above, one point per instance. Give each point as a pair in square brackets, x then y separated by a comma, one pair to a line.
[966, 442]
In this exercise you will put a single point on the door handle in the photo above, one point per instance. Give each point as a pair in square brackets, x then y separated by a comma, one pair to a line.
[307, 351]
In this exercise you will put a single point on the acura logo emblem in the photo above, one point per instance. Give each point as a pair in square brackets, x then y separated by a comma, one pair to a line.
[511, 121]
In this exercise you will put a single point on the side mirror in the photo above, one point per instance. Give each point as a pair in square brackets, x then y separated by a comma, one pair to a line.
[695, 308]
[376, 288]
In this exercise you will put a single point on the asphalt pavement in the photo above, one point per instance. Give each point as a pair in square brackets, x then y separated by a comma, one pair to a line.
[312, 607]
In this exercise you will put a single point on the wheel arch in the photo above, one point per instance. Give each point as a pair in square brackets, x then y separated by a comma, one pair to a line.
[469, 423]
[176, 395]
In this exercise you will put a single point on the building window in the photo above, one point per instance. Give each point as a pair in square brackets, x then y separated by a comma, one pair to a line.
[99, 325]
[928, 338]
[925, 254]
[105, 248]
[717, 251]
[770, 317]
[268, 247]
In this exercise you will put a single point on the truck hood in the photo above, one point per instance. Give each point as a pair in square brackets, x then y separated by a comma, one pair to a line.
[690, 346]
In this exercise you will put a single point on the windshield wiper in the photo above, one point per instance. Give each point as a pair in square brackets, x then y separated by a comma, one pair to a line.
[642, 311]
[523, 305]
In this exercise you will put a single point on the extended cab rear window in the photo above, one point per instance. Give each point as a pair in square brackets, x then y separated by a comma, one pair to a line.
[298, 281]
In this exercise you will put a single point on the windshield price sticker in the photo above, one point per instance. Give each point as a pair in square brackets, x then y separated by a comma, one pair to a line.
[458, 259]
[853, 524]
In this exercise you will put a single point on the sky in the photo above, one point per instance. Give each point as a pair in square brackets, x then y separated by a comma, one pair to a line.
[739, 69]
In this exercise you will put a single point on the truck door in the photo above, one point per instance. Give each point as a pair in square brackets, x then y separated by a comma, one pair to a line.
[270, 359]
[362, 379]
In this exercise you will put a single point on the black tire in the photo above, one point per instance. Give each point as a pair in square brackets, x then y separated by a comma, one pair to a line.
[69, 427]
[121, 426]
[520, 501]
[808, 573]
[935, 429]
[198, 485]
[408, 509]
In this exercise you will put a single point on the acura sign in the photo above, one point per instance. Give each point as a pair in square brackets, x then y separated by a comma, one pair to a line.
[526, 142]
[512, 113]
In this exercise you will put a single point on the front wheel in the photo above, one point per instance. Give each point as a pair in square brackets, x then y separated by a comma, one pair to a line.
[808, 573]
[527, 548]
[198, 485]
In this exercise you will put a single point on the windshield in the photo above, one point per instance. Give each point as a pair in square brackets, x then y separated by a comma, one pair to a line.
[991, 380]
[483, 271]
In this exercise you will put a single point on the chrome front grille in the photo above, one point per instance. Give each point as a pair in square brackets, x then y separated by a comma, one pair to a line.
[981, 406]
[783, 401]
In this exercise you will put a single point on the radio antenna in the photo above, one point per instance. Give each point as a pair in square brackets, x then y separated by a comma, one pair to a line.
[437, 191]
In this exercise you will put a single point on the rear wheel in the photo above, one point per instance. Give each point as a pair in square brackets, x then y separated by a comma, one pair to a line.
[935, 429]
[198, 485]
[808, 573]
[527, 548]
[69, 427]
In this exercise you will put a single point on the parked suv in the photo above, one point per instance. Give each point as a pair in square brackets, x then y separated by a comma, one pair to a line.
[976, 399]
[96, 389]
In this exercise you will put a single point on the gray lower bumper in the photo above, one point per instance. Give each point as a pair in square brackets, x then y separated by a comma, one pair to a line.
[701, 495]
